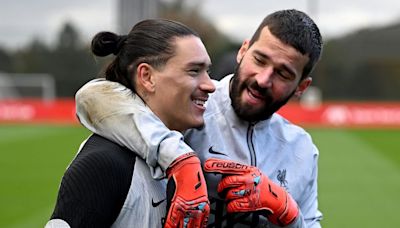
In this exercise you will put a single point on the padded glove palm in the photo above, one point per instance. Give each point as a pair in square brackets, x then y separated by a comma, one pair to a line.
[247, 189]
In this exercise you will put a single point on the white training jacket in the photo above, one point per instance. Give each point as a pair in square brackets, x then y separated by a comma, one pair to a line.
[282, 151]
[111, 110]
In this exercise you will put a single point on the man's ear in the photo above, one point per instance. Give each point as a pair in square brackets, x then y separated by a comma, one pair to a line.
[242, 51]
[303, 85]
[145, 77]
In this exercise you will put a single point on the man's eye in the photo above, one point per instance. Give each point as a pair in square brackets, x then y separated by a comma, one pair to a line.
[194, 71]
[283, 74]
[258, 61]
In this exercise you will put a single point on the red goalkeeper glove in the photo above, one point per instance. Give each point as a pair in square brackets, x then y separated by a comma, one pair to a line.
[247, 189]
[187, 199]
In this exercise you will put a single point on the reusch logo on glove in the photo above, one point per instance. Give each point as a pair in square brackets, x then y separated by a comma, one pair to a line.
[221, 166]
[228, 165]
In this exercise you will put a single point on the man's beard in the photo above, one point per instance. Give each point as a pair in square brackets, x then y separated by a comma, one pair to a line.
[245, 111]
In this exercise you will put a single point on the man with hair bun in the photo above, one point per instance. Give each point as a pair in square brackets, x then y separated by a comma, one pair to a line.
[162, 66]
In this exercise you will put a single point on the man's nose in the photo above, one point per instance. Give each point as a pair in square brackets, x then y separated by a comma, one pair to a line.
[264, 77]
[207, 85]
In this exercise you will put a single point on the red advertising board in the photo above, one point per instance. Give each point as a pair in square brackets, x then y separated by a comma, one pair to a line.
[344, 114]
[332, 114]
[38, 111]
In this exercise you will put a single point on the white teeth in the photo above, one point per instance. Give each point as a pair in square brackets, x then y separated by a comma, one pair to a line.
[199, 102]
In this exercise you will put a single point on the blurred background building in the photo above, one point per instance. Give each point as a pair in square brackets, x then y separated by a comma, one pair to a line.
[131, 12]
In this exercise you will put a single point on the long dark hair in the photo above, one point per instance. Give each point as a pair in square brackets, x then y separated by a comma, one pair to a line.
[149, 41]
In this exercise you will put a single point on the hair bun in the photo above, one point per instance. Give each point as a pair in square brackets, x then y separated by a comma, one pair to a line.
[120, 42]
[105, 43]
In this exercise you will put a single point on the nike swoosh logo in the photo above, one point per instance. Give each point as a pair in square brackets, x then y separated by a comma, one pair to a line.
[155, 204]
[212, 151]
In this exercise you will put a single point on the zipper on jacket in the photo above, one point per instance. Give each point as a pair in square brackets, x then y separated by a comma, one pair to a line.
[250, 145]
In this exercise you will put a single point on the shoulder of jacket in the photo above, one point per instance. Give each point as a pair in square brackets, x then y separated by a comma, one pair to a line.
[286, 130]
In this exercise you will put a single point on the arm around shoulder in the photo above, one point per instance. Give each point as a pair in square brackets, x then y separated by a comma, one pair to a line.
[113, 111]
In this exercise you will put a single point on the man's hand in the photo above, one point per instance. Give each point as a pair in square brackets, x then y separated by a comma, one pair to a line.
[247, 189]
[187, 197]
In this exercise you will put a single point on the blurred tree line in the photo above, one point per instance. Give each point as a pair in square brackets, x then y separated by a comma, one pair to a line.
[69, 60]
[361, 66]
[364, 65]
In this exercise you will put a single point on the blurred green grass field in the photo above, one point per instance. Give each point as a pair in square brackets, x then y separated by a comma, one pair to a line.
[359, 174]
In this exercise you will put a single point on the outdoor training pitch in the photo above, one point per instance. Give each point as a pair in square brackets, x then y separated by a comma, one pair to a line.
[359, 174]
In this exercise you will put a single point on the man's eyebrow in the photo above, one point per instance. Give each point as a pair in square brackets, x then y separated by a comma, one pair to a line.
[265, 56]
[199, 64]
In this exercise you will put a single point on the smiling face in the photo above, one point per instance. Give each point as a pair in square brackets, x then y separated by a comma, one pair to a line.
[181, 87]
[269, 73]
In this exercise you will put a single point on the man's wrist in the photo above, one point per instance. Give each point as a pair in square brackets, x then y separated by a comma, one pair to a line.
[178, 161]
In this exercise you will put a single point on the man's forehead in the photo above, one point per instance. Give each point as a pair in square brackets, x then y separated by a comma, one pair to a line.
[191, 51]
[269, 45]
